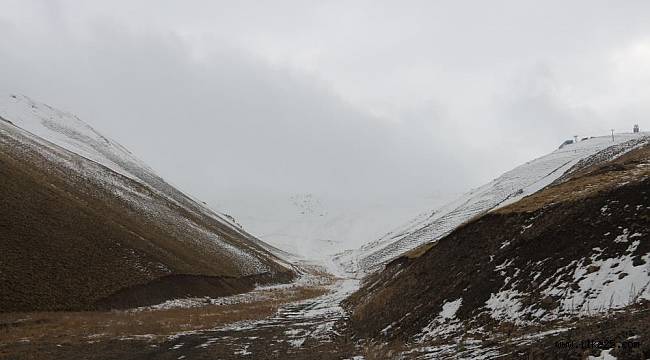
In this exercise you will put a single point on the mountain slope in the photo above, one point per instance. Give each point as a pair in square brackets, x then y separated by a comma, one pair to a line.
[506, 189]
[578, 249]
[85, 224]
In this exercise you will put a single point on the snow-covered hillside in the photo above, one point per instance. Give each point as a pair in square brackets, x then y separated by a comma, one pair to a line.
[315, 227]
[506, 189]
[55, 133]
[69, 132]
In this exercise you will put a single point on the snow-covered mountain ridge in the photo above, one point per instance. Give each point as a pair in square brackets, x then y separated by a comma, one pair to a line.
[66, 130]
[510, 187]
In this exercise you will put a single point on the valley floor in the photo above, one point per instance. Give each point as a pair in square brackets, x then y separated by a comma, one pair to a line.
[303, 320]
[277, 322]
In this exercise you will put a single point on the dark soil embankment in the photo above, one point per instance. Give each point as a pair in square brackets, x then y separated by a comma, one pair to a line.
[184, 286]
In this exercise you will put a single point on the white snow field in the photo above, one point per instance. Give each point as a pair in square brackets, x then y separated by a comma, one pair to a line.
[513, 185]
[314, 228]
[56, 134]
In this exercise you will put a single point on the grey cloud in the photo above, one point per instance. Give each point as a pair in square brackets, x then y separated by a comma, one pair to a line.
[228, 123]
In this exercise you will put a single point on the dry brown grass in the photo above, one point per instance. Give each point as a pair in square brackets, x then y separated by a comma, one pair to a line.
[382, 351]
[94, 325]
[419, 251]
[69, 240]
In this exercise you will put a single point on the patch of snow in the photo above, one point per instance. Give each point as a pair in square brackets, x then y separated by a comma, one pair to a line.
[293, 332]
[504, 265]
[505, 305]
[385, 330]
[444, 324]
[604, 355]
[608, 287]
[296, 343]
[243, 351]
[622, 238]
[449, 309]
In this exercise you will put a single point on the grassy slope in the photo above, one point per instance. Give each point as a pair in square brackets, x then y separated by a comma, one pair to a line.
[568, 225]
[68, 242]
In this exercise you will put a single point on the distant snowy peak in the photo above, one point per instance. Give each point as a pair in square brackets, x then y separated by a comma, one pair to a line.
[510, 187]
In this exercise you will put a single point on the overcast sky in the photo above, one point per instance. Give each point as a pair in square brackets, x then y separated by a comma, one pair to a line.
[355, 101]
